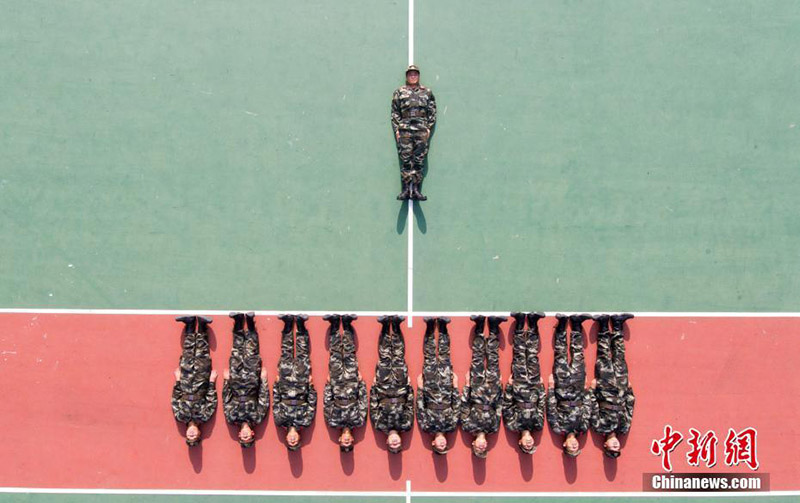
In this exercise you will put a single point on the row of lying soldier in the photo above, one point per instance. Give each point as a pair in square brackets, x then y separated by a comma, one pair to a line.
[571, 407]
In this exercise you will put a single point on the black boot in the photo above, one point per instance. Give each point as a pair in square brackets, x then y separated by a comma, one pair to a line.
[494, 323]
[576, 320]
[202, 323]
[602, 322]
[479, 320]
[443, 321]
[250, 318]
[430, 325]
[347, 322]
[301, 320]
[617, 320]
[190, 322]
[405, 193]
[288, 322]
[396, 321]
[519, 321]
[416, 195]
[561, 325]
[533, 320]
[238, 321]
[334, 320]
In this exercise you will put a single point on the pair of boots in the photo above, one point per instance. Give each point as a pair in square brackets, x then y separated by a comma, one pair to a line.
[575, 321]
[392, 321]
[239, 320]
[290, 320]
[430, 325]
[532, 319]
[346, 321]
[411, 191]
[493, 322]
[617, 321]
[195, 324]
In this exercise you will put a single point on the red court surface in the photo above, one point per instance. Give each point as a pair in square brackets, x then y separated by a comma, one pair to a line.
[86, 404]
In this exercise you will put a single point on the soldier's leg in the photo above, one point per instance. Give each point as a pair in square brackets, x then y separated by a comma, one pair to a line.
[560, 361]
[618, 349]
[477, 365]
[335, 361]
[238, 350]
[519, 371]
[429, 345]
[302, 344]
[444, 342]
[493, 347]
[419, 151]
[532, 346]
[201, 347]
[287, 345]
[348, 346]
[384, 366]
[603, 367]
[399, 366]
[405, 147]
[576, 354]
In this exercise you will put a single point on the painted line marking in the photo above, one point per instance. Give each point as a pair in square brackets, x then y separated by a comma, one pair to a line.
[454, 314]
[410, 280]
[399, 494]
[410, 32]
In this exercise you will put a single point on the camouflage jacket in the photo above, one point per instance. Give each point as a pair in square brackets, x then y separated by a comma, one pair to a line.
[481, 408]
[413, 108]
[524, 406]
[391, 408]
[294, 402]
[613, 410]
[571, 414]
[345, 404]
[193, 399]
[438, 405]
[245, 401]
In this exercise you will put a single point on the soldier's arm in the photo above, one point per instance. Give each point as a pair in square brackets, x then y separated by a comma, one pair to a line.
[362, 403]
[373, 405]
[177, 410]
[540, 405]
[552, 412]
[327, 402]
[263, 399]
[464, 405]
[209, 404]
[408, 410]
[595, 411]
[588, 409]
[312, 396]
[431, 112]
[630, 401]
[396, 112]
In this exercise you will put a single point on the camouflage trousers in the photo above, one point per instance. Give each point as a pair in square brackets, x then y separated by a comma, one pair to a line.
[245, 397]
[195, 361]
[610, 368]
[295, 359]
[569, 370]
[391, 370]
[484, 368]
[525, 359]
[412, 147]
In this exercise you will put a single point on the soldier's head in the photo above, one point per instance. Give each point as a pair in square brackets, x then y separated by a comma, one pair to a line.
[412, 75]
[192, 434]
[439, 443]
[293, 439]
[246, 435]
[393, 442]
[480, 446]
[526, 443]
[346, 440]
[571, 446]
[611, 446]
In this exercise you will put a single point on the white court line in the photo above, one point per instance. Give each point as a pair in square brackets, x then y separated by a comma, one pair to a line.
[410, 280]
[399, 494]
[453, 314]
[410, 32]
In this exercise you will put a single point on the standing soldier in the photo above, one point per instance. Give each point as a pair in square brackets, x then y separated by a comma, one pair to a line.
[569, 403]
[524, 398]
[612, 391]
[245, 392]
[294, 395]
[391, 399]
[194, 396]
[413, 118]
[482, 397]
[437, 386]
[345, 395]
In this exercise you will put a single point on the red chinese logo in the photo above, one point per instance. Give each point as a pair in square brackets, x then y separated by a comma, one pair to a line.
[665, 446]
[702, 448]
[741, 448]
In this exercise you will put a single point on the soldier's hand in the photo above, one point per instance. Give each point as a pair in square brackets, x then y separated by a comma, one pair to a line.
[455, 380]
[594, 384]
[397, 135]
[213, 377]
[177, 374]
[466, 379]
[511, 381]
[263, 374]
[551, 382]
[419, 381]
[226, 374]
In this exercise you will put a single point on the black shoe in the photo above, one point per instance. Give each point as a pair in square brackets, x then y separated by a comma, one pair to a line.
[519, 321]
[576, 320]
[430, 325]
[190, 322]
[617, 320]
[479, 320]
[443, 321]
[335, 320]
[301, 320]
[405, 193]
[384, 320]
[561, 325]
[533, 320]
[288, 322]
[347, 322]
[602, 322]
[416, 195]
[238, 321]
[494, 323]
[202, 323]
[250, 318]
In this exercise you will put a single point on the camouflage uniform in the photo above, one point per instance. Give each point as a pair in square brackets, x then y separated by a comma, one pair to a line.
[613, 394]
[294, 396]
[482, 398]
[524, 399]
[569, 403]
[245, 397]
[391, 398]
[194, 398]
[413, 116]
[438, 399]
[345, 395]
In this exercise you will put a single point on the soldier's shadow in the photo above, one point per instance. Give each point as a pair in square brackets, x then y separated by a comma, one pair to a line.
[525, 460]
[439, 461]
[609, 464]
[249, 453]
[395, 459]
[478, 464]
[570, 463]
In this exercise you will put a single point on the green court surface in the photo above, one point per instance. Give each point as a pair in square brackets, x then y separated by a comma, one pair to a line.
[589, 155]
